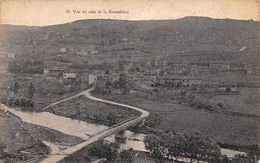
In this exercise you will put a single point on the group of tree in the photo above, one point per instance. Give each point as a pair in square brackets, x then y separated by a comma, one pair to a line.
[30, 90]
[110, 151]
[17, 102]
[121, 83]
[104, 149]
[109, 118]
[21, 101]
[171, 145]
[26, 66]
[2, 150]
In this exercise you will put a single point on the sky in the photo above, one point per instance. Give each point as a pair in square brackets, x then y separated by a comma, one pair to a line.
[50, 12]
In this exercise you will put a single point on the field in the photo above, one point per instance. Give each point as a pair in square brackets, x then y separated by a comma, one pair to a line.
[219, 127]
[246, 102]
[91, 111]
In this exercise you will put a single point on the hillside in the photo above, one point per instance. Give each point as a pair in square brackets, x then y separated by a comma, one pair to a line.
[189, 39]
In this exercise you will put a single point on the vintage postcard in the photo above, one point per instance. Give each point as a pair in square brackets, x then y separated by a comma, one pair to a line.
[141, 81]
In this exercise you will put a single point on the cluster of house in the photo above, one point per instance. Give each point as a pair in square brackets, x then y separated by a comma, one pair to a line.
[82, 52]
[178, 81]
[197, 68]
[62, 71]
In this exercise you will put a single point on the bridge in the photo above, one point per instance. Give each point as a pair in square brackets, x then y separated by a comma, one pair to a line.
[111, 130]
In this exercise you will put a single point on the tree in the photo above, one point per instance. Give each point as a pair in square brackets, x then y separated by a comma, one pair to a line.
[175, 143]
[16, 88]
[77, 108]
[2, 150]
[239, 158]
[122, 81]
[127, 156]
[31, 90]
[151, 141]
[154, 144]
[201, 149]
[104, 149]
[112, 118]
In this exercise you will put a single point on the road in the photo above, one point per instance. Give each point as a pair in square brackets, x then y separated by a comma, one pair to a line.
[100, 135]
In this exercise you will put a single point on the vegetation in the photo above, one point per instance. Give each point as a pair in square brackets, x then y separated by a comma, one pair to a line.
[2, 150]
[126, 156]
[16, 102]
[31, 90]
[16, 88]
[104, 149]
[26, 66]
[193, 146]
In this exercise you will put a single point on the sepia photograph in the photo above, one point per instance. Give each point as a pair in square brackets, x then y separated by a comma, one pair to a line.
[141, 81]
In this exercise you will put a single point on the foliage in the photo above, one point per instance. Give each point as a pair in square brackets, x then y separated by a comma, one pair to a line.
[77, 108]
[193, 146]
[26, 66]
[2, 149]
[104, 149]
[127, 156]
[19, 102]
[153, 120]
[31, 90]
[112, 118]
[16, 88]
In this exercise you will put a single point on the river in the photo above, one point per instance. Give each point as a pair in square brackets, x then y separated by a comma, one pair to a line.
[83, 130]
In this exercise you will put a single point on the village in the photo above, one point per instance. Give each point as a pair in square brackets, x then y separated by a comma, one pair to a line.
[97, 81]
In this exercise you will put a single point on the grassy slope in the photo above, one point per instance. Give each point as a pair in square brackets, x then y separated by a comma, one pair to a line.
[218, 127]
[147, 39]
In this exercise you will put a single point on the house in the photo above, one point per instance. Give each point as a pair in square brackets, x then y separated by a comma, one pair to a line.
[177, 68]
[63, 50]
[219, 65]
[94, 52]
[10, 55]
[237, 67]
[226, 89]
[250, 69]
[179, 81]
[55, 72]
[69, 75]
[203, 67]
[92, 78]
[46, 70]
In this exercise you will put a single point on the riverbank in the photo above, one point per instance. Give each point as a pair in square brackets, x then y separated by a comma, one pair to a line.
[18, 144]
[27, 142]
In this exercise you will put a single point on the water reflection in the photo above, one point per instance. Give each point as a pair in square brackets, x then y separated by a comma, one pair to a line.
[65, 125]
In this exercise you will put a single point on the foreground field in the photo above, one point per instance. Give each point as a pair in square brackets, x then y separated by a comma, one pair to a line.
[222, 128]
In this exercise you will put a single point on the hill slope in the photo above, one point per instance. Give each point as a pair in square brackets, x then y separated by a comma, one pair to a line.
[179, 40]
